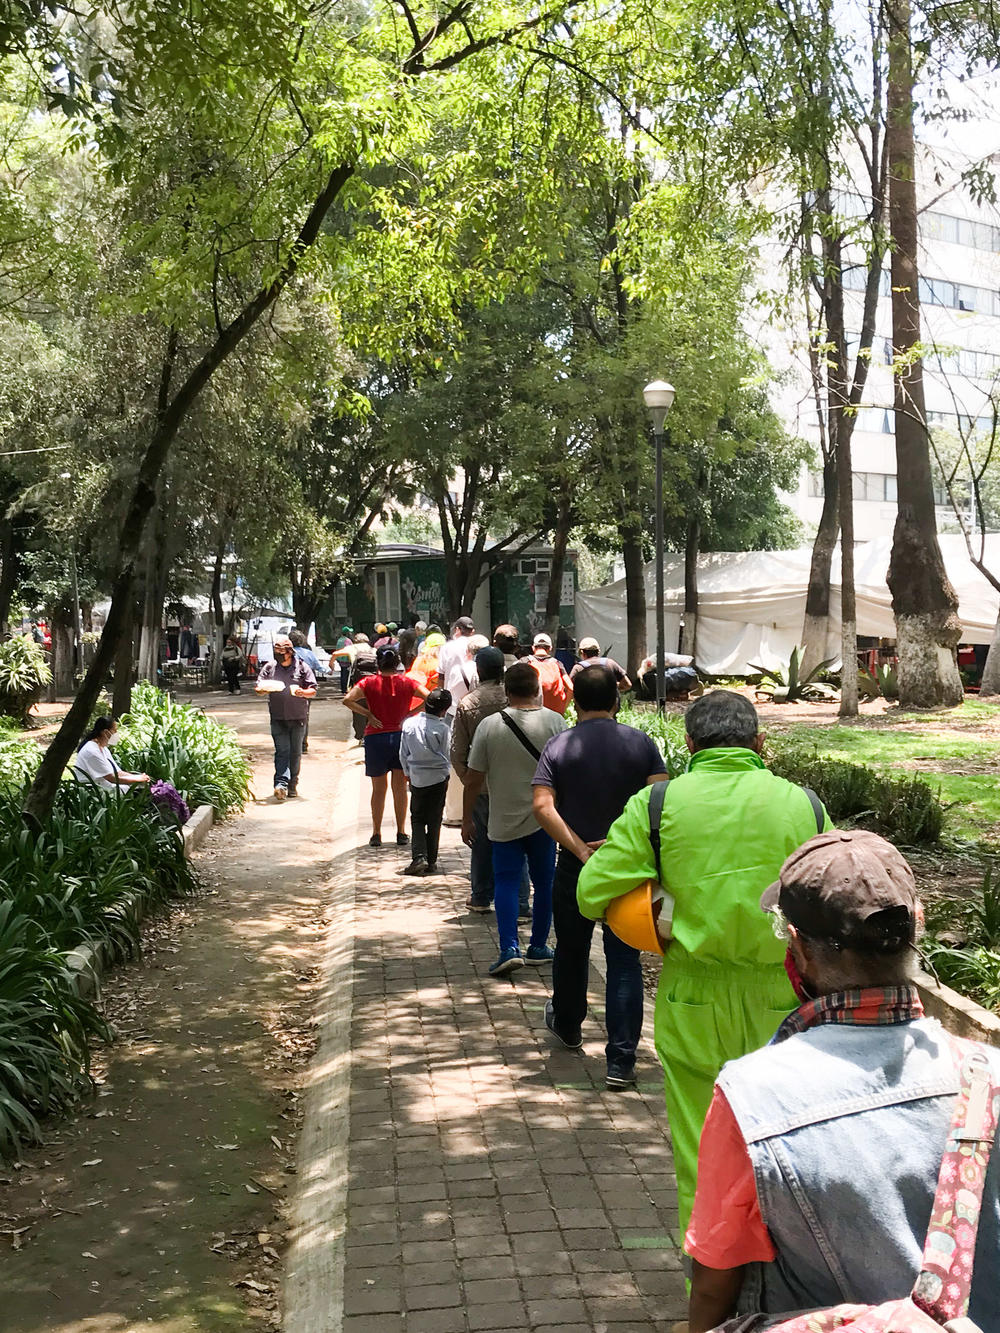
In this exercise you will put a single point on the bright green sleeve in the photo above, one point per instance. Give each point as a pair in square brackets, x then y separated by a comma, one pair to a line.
[625, 860]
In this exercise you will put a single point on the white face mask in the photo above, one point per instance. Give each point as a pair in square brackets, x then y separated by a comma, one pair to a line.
[114, 738]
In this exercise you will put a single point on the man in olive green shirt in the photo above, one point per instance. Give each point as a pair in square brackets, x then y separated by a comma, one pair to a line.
[727, 826]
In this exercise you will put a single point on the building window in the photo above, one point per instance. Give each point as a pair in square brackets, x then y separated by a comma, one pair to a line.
[933, 291]
[875, 420]
[816, 488]
[877, 487]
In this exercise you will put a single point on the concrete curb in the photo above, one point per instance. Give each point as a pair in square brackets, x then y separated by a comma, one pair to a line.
[958, 1014]
[196, 829]
[314, 1272]
[88, 961]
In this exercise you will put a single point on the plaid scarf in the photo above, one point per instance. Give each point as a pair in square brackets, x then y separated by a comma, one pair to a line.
[871, 1006]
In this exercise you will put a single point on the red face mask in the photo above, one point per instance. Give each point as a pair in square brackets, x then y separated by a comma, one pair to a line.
[799, 985]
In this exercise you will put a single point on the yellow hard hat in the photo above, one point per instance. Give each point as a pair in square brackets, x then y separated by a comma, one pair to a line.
[633, 917]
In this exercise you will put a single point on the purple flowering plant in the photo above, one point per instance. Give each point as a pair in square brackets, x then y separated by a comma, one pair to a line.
[166, 796]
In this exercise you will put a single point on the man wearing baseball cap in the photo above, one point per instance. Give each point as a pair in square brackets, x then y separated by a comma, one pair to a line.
[590, 655]
[821, 1152]
[557, 689]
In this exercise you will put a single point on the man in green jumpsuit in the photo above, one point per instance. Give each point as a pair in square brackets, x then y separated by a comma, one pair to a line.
[727, 826]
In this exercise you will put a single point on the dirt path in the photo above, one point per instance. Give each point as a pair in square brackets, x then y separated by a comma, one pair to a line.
[160, 1204]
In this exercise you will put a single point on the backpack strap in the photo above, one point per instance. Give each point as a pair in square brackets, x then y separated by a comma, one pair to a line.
[818, 811]
[945, 1280]
[532, 749]
[656, 799]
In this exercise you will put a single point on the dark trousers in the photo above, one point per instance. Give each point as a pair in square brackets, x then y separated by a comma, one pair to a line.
[345, 676]
[481, 862]
[571, 968]
[287, 737]
[231, 671]
[426, 811]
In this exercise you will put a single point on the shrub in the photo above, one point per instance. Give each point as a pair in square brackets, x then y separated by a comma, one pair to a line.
[75, 880]
[179, 744]
[45, 1029]
[19, 760]
[666, 729]
[975, 972]
[24, 673]
[906, 810]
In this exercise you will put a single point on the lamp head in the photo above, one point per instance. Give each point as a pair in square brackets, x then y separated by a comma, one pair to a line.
[658, 397]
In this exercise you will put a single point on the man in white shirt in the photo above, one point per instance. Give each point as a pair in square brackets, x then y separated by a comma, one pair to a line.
[452, 660]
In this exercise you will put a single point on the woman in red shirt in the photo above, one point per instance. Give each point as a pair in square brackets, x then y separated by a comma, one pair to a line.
[384, 702]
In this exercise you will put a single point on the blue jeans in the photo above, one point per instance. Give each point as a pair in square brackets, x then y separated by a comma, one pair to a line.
[288, 738]
[571, 968]
[481, 862]
[508, 864]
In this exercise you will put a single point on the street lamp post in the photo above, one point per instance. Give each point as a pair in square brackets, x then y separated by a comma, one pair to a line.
[658, 397]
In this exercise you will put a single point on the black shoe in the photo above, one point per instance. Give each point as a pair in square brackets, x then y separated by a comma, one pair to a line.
[572, 1040]
[402, 840]
[292, 793]
[305, 747]
[478, 907]
[418, 866]
[375, 840]
[620, 1078]
[431, 868]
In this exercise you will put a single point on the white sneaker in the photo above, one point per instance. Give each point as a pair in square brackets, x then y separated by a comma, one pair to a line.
[280, 793]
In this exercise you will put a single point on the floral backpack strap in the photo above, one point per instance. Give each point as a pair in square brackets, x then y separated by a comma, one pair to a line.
[945, 1280]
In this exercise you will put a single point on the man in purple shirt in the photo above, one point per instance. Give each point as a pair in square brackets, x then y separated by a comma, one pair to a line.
[583, 781]
[289, 709]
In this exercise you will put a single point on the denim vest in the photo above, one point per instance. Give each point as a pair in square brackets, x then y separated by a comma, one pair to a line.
[845, 1127]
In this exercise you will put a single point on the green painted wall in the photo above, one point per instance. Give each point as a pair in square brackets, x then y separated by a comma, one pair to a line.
[513, 597]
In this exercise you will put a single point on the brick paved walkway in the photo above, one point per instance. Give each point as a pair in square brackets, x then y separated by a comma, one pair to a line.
[493, 1183]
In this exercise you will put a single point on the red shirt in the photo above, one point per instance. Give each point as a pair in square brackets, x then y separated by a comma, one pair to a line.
[726, 1228]
[389, 698]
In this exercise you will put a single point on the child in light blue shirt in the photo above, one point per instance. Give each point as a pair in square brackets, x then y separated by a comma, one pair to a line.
[424, 750]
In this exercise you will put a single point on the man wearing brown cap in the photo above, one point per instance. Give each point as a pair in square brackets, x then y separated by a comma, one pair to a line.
[821, 1152]
[590, 655]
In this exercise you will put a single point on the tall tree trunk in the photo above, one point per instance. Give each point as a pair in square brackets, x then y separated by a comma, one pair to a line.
[923, 600]
[840, 441]
[61, 624]
[990, 683]
[816, 625]
[635, 599]
[121, 699]
[560, 544]
[171, 413]
[218, 622]
[152, 625]
[8, 572]
[692, 549]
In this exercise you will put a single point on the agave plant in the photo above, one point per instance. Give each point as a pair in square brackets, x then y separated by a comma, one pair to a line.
[24, 673]
[177, 743]
[787, 685]
[888, 680]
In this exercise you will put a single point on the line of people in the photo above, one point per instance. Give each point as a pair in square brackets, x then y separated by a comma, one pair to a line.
[809, 1097]
[810, 1100]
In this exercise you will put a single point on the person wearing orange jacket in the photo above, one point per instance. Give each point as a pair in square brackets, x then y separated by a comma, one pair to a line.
[425, 669]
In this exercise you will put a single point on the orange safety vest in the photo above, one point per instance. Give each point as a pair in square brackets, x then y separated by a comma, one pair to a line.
[425, 672]
[556, 689]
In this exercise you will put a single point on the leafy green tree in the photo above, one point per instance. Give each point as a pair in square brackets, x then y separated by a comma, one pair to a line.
[277, 140]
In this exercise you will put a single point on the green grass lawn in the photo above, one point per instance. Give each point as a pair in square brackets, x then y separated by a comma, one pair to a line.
[974, 796]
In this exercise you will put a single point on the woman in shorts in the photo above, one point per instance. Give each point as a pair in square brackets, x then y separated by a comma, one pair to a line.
[384, 701]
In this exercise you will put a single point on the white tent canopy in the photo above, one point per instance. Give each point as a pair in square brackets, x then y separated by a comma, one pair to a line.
[751, 604]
